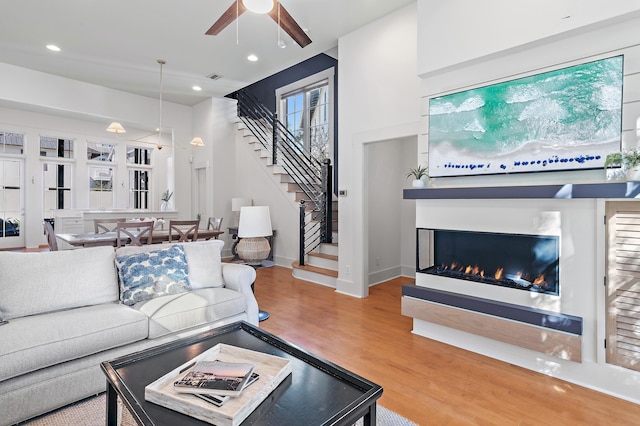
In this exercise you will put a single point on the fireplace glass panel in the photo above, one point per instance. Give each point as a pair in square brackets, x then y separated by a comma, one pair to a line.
[519, 261]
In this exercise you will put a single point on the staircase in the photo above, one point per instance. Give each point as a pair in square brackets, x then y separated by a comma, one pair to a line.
[321, 260]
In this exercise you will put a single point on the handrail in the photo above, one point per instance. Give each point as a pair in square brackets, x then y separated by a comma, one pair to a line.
[312, 176]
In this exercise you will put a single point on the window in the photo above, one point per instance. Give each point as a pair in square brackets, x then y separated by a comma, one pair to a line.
[57, 187]
[54, 147]
[101, 152]
[11, 143]
[57, 175]
[306, 115]
[10, 194]
[138, 189]
[139, 177]
[100, 187]
[138, 155]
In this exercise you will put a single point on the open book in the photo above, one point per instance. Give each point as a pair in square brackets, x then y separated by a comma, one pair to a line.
[215, 377]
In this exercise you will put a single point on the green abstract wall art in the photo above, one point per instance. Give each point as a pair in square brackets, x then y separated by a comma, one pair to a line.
[567, 119]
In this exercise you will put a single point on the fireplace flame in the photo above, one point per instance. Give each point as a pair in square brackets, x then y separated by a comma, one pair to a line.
[540, 281]
[471, 271]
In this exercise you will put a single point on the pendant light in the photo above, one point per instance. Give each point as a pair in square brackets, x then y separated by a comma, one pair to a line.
[116, 128]
[258, 6]
[197, 142]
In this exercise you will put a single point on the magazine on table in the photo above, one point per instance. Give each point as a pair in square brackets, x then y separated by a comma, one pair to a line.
[215, 377]
[219, 400]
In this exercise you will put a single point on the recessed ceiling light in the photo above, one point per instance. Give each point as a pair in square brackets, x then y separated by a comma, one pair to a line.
[53, 47]
[197, 88]
[252, 58]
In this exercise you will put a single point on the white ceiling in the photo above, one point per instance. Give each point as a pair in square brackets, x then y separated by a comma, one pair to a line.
[117, 43]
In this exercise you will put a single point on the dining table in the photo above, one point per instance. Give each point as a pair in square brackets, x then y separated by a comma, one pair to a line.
[91, 239]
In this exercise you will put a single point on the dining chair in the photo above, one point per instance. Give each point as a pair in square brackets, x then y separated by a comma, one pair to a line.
[214, 224]
[186, 230]
[136, 232]
[51, 236]
[106, 225]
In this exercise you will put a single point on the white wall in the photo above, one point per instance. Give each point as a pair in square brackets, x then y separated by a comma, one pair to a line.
[383, 196]
[535, 43]
[254, 180]
[408, 212]
[458, 33]
[213, 121]
[378, 90]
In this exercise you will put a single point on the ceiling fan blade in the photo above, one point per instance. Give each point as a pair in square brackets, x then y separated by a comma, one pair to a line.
[289, 25]
[235, 10]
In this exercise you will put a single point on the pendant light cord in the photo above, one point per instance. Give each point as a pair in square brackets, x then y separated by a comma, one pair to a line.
[161, 62]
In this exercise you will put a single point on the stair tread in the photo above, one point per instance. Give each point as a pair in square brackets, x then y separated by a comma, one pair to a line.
[316, 269]
[323, 255]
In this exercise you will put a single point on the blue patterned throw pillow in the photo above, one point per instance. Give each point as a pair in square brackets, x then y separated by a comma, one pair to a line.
[144, 276]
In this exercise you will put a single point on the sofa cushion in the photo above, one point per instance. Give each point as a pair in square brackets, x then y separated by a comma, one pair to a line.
[181, 311]
[205, 263]
[32, 283]
[152, 274]
[39, 341]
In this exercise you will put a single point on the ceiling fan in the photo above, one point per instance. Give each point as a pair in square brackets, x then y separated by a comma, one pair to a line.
[278, 13]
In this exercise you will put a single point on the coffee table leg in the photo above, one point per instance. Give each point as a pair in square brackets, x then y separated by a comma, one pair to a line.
[112, 406]
[370, 417]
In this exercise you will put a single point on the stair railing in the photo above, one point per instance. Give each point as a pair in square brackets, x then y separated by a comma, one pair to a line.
[312, 176]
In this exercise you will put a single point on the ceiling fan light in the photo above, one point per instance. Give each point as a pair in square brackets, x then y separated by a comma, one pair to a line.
[116, 128]
[258, 6]
[197, 142]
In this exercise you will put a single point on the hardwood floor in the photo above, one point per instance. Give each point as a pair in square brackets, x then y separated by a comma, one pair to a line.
[429, 382]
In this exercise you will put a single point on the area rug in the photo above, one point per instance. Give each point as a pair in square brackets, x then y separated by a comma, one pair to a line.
[91, 412]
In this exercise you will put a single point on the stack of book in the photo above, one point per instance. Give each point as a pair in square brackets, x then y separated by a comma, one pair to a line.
[216, 381]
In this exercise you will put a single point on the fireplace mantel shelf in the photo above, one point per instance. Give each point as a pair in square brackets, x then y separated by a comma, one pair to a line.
[560, 191]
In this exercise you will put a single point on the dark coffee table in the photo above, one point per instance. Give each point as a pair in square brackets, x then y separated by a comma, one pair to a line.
[317, 392]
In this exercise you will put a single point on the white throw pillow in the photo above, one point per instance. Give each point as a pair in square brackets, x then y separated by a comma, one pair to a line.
[205, 263]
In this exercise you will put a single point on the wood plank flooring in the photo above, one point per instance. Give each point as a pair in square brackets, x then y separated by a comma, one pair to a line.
[429, 382]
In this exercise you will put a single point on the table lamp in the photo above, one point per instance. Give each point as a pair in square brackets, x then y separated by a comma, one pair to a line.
[253, 227]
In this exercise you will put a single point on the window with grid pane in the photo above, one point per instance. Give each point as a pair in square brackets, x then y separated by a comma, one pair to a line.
[139, 177]
[57, 175]
[100, 187]
[307, 117]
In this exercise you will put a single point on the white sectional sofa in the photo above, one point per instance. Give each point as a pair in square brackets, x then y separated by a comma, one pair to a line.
[67, 311]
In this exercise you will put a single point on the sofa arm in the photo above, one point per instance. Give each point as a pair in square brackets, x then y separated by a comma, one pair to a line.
[240, 278]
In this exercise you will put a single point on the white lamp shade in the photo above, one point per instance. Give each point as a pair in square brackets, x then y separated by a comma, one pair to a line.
[255, 221]
[197, 142]
[258, 6]
[116, 128]
[238, 203]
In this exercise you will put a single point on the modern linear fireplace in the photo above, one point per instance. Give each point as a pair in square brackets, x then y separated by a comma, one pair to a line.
[518, 261]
